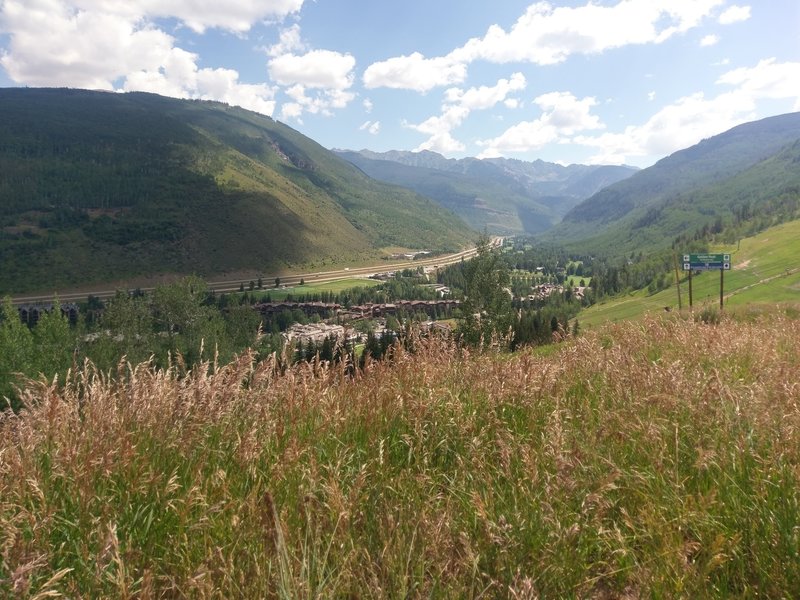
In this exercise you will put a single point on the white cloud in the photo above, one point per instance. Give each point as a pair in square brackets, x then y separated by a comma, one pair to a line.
[414, 72]
[768, 79]
[289, 41]
[372, 127]
[651, 96]
[441, 142]
[319, 102]
[322, 69]
[546, 35]
[457, 106]
[107, 44]
[484, 97]
[451, 117]
[709, 40]
[367, 104]
[318, 81]
[233, 15]
[676, 126]
[563, 115]
[734, 14]
[694, 117]
[180, 78]
[51, 44]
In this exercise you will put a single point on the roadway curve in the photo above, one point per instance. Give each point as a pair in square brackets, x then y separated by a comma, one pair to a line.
[288, 280]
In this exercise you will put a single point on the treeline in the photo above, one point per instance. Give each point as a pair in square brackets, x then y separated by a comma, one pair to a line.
[179, 324]
[183, 323]
[655, 271]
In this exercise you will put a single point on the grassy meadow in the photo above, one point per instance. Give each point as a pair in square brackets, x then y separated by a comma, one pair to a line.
[341, 285]
[765, 269]
[657, 458]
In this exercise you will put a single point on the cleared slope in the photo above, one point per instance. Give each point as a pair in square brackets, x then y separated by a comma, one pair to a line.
[765, 270]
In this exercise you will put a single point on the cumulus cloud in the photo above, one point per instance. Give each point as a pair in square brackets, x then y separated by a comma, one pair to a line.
[768, 79]
[691, 118]
[457, 106]
[734, 14]
[323, 69]
[233, 15]
[545, 35]
[112, 45]
[317, 81]
[563, 115]
[316, 102]
[483, 97]
[709, 40]
[414, 72]
[289, 41]
[678, 125]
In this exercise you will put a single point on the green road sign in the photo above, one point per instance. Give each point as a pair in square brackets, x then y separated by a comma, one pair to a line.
[706, 262]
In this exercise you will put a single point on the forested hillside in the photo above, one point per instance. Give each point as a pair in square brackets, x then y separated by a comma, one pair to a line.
[750, 168]
[99, 187]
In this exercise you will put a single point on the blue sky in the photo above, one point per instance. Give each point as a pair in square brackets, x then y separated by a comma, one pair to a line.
[606, 81]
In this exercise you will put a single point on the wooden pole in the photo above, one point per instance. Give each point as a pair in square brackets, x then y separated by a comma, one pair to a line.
[677, 282]
[690, 289]
[721, 277]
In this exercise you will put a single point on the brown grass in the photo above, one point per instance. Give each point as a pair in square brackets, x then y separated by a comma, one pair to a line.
[658, 458]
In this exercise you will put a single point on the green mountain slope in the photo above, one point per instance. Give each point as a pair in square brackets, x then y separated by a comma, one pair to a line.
[504, 196]
[749, 165]
[101, 187]
[765, 270]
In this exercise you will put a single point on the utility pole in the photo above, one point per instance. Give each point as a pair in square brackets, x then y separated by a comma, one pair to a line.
[677, 281]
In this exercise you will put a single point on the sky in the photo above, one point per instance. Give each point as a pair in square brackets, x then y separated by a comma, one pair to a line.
[588, 81]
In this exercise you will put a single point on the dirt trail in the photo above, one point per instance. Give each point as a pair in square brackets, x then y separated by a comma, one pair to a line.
[786, 273]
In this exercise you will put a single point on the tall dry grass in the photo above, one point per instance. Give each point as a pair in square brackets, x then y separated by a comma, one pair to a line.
[657, 459]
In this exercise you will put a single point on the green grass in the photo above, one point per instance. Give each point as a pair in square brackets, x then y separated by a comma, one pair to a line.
[650, 459]
[575, 280]
[314, 288]
[765, 270]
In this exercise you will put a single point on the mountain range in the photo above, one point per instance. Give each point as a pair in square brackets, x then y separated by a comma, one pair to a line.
[98, 187]
[502, 196]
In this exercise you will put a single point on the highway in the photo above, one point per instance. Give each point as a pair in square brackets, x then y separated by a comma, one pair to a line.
[289, 280]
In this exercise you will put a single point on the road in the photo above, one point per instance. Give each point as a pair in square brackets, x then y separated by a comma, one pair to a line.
[289, 280]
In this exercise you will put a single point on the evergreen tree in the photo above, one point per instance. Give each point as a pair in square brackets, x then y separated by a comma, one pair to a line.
[54, 342]
[487, 308]
[16, 353]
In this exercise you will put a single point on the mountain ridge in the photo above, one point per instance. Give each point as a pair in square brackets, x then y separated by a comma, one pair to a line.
[503, 196]
[749, 163]
[96, 187]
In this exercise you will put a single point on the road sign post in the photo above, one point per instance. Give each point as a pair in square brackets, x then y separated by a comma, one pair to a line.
[707, 262]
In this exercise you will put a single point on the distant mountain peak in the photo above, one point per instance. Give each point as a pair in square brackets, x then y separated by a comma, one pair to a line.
[504, 196]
